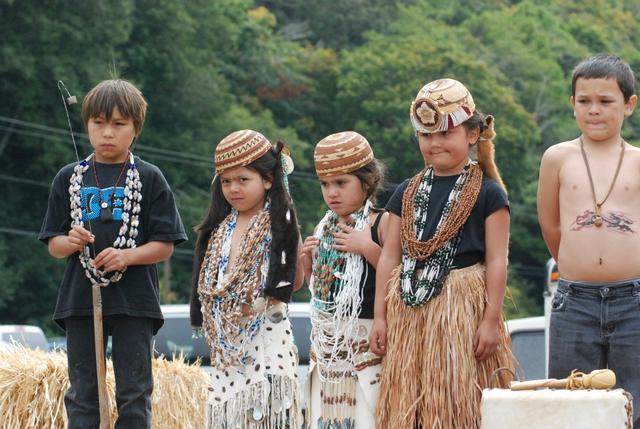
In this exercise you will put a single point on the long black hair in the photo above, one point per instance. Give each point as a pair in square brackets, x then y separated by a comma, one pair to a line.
[284, 231]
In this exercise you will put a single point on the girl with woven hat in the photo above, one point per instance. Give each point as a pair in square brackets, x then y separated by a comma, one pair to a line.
[339, 261]
[442, 273]
[244, 272]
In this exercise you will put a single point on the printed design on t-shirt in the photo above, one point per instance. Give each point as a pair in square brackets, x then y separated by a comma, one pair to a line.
[617, 221]
[91, 197]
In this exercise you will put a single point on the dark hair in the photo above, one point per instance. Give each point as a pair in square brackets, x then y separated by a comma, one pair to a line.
[284, 231]
[371, 175]
[606, 66]
[107, 95]
[477, 120]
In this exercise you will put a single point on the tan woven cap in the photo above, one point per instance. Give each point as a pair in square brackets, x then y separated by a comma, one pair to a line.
[239, 149]
[441, 105]
[342, 153]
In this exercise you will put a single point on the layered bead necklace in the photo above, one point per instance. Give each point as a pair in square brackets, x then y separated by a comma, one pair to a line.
[234, 300]
[336, 300]
[130, 218]
[439, 251]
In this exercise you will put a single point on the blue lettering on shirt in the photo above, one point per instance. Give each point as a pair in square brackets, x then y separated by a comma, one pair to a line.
[90, 198]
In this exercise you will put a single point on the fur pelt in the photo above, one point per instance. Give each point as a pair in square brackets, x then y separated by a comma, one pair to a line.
[486, 152]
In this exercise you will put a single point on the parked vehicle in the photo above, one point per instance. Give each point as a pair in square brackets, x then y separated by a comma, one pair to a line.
[26, 335]
[175, 336]
[57, 344]
[529, 346]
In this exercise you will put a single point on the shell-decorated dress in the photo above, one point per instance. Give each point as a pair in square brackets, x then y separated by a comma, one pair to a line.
[253, 357]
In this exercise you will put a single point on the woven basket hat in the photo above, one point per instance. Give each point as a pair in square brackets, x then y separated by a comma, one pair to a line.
[341, 153]
[240, 149]
[441, 105]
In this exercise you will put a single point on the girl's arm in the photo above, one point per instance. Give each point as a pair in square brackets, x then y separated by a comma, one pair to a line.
[300, 269]
[360, 242]
[305, 257]
[548, 199]
[485, 342]
[389, 259]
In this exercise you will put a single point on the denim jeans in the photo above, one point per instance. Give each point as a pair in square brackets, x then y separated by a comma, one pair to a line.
[131, 355]
[597, 326]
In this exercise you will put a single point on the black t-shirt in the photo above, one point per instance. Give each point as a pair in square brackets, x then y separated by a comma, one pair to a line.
[137, 293]
[471, 248]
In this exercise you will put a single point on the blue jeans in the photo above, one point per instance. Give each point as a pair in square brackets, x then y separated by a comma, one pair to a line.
[131, 355]
[597, 326]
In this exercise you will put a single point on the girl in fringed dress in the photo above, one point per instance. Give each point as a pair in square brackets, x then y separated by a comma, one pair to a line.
[339, 261]
[443, 271]
[244, 273]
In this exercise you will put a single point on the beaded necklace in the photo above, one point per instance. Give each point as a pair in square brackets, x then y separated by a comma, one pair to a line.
[336, 301]
[130, 218]
[439, 251]
[226, 295]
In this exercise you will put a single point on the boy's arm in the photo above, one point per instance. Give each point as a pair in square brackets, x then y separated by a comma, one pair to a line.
[112, 259]
[389, 259]
[549, 200]
[486, 339]
[62, 246]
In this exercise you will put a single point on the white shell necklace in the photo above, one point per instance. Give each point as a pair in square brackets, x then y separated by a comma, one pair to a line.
[130, 218]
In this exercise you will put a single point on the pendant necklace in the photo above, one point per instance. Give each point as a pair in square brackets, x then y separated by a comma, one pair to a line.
[597, 220]
[106, 209]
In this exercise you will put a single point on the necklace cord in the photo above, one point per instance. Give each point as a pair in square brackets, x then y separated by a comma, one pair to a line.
[615, 176]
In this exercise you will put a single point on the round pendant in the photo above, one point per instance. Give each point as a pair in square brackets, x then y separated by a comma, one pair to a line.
[287, 402]
[257, 413]
[597, 220]
[259, 305]
[104, 205]
[277, 406]
[275, 317]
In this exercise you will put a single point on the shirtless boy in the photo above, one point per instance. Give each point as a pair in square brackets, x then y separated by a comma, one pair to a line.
[589, 213]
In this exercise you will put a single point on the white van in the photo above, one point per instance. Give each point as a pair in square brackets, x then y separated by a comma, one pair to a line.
[25, 335]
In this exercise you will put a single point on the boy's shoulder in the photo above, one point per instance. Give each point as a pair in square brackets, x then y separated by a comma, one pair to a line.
[145, 166]
[65, 172]
[560, 152]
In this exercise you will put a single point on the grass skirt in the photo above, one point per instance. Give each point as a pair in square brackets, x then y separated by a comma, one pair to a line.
[430, 376]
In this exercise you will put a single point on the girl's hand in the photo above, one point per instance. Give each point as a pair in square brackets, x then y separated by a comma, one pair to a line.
[111, 259]
[305, 258]
[378, 337]
[486, 339]
[352, 241]
[79, 237]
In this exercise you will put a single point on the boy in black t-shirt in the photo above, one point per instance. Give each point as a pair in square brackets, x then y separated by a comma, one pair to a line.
[113, 216]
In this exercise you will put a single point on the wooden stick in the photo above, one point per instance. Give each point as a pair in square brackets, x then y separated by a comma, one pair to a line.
[596, 379]
[103, 395]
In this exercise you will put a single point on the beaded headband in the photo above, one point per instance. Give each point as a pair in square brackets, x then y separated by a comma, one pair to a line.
[239, 149]
[441, 105]
[342, 153]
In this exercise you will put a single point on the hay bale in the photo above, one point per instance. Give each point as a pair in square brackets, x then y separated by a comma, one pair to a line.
[33, 384]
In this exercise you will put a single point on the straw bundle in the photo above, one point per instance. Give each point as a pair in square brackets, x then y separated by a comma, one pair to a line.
[33, 384]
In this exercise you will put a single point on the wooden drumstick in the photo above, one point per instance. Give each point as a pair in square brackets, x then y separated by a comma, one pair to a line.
[597, 379]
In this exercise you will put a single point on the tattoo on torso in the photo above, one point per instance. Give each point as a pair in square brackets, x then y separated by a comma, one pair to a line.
[617, 221]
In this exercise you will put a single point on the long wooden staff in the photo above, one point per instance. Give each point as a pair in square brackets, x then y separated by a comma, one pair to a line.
[103, 395]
